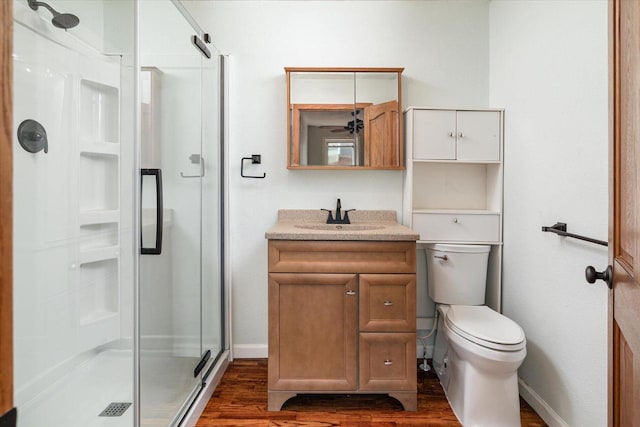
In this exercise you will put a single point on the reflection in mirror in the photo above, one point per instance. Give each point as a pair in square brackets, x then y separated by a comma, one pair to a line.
[381, 117]
[344, 119]
[320, 126]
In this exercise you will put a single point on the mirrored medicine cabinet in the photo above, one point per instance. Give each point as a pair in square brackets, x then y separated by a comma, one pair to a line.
[344, 118]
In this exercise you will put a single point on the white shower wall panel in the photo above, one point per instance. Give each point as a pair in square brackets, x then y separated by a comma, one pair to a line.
[47, 301]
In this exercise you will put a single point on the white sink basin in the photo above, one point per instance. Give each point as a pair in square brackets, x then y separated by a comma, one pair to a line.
[340, 227]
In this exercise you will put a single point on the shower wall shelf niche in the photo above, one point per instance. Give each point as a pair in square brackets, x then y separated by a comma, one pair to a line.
[97, 299]
[101, 235]
[99, 111]
[99, 205]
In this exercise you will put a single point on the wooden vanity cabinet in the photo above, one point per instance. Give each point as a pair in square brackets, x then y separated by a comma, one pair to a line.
[342, 318]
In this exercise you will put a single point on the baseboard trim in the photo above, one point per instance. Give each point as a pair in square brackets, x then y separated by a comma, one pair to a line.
[193, 415]
[541, 407]
[250, 351]
[261, 351]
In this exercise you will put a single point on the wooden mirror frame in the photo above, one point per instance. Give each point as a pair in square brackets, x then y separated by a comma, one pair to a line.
[372, 155]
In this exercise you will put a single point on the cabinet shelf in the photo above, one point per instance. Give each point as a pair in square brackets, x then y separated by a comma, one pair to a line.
[99, 216]
[99, 254]
[457, 211]
[98, 316]
[461, 242]
[105, 148]
[454, 161]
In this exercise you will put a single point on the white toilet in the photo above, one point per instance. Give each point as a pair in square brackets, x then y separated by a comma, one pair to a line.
[477, 351]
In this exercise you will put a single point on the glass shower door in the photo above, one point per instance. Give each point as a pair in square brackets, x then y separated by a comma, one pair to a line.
[172, 169]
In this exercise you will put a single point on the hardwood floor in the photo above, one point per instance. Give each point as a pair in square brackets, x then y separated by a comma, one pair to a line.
[241, 400]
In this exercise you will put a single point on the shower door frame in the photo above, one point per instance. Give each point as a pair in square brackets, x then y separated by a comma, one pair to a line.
[6, 209]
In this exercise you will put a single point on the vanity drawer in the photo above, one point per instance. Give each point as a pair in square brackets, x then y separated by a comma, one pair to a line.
[387, 361]
[387, 303]
[299, 256]
[457, 227]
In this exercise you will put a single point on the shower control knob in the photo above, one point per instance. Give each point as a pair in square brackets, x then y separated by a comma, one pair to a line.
[592, 275]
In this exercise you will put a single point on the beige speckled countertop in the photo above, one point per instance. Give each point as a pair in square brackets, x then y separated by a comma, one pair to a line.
[310, 224]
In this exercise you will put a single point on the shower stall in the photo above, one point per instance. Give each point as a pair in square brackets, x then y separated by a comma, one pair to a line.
[118, 201]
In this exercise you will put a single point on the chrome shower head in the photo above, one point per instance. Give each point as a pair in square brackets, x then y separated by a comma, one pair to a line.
[60, 20]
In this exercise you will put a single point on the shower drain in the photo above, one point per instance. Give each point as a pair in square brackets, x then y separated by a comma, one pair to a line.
[115, 409]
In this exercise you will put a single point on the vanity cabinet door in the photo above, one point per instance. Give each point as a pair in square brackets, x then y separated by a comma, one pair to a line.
[312, 331]
[478, 135]
[387, 361]
[387, 303]
[434, 134]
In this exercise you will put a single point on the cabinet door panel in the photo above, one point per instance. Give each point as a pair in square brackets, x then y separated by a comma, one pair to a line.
[387, 302]
[387, 361]
[434, 134]
[312, 331]
[478, 136]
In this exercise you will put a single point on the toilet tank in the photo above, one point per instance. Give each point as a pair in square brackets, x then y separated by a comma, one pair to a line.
[457, 274]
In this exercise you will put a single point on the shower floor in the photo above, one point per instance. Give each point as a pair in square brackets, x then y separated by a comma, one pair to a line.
[78, 399]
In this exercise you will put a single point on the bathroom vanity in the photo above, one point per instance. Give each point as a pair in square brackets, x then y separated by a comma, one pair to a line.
[342, 306]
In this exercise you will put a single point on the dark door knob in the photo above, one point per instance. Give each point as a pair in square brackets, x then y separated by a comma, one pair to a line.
[592, 275]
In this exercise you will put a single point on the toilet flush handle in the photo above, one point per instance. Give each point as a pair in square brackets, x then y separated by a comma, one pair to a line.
[442, 257]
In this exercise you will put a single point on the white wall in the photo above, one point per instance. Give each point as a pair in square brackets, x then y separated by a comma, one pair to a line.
[444, 49]
[549, 71]
[544, 62]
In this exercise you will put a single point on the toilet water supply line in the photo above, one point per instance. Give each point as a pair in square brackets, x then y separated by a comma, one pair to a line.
[423, 340]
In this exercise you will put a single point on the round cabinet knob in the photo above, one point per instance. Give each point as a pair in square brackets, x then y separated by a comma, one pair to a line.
[388, 362]
[350, 292]
[460, 135]
[592, 275]
[455, 220]
[451, 134]
[388, 303]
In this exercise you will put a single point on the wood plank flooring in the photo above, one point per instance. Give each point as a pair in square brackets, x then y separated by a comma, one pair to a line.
[241, 400]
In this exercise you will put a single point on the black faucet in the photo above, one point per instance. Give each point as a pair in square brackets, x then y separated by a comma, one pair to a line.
[338, 219]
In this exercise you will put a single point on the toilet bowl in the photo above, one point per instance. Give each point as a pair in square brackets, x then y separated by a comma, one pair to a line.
[477, 351]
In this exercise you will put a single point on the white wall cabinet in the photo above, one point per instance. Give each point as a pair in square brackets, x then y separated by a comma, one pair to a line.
[453, 183]
[457, 135]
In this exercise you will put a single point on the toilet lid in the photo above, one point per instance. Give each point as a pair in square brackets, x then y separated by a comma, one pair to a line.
[486, 327]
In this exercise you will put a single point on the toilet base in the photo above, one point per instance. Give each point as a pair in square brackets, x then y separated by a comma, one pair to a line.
[481, 385]
[481, 399]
